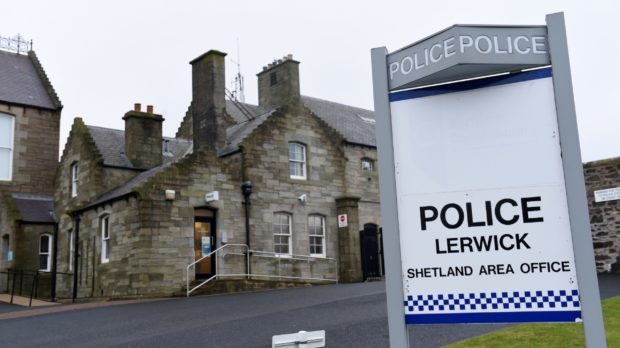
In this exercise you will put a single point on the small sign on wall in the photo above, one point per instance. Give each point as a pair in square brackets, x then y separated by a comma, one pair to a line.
[611, 194]
[343, 220]
[212, 196]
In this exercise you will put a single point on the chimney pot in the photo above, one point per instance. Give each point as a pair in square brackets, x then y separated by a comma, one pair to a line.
[149, 109]
[289, 56]
[137, 107]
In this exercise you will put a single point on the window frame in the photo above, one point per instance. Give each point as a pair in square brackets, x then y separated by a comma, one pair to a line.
[371, 166]
[75, 172]
[303, 161]
[11, 144]
[323, 236]
[48, 253]
[104, 226]
[289, 235]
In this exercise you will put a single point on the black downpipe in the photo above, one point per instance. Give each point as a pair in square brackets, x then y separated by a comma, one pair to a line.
[246, 189]
[54, 263]
[76, 239]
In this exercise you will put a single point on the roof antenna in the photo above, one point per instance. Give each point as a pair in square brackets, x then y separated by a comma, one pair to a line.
[238, 92]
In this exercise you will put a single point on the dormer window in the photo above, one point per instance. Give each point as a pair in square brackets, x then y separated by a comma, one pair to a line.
[7, 124]
[368, 165]
[297, 160]
[74, 179]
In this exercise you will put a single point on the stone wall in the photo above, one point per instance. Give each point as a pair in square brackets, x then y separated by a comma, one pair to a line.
[266, 166]
[35, 150]
[604, 216]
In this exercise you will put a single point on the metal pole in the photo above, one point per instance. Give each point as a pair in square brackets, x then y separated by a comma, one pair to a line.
[76, 238]
[399, 335]
[13, 286]
[575, 186]
[54, 263]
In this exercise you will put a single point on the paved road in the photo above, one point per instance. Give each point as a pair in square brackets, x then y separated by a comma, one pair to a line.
[353, 315]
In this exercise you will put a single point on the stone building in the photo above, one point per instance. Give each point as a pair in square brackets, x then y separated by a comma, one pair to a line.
[136, 208]
[29, 134]
[603, 190]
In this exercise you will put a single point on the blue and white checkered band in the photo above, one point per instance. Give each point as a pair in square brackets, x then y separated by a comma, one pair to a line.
[494, 301]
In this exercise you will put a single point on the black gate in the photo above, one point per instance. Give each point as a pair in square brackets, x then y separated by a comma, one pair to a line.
[371, 258]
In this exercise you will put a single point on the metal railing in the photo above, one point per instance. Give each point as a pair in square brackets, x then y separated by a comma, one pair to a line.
[15, 277]
[248, 254]
[214, 252]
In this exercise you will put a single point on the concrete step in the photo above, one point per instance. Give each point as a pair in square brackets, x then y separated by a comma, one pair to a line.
[225, 286]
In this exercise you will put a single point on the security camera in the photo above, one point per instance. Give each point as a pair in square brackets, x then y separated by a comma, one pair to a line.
[302, 199]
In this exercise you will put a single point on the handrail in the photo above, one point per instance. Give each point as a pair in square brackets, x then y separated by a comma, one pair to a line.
[189, 291]
[257, 253]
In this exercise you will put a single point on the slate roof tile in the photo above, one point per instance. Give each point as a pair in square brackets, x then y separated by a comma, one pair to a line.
[21, 84]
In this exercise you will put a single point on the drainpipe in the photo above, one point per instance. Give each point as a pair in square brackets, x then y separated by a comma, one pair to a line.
[76, 238]
[55, 259]
[246, 189]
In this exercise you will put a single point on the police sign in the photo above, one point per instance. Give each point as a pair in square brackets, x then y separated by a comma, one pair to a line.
[482, 192]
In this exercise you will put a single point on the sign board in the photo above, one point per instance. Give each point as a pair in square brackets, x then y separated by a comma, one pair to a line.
[485, 233]
[482, 193]
[343, 220]
[612, 194]
[212, 196]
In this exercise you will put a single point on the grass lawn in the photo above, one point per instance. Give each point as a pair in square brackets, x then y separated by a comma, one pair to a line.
[550, 335]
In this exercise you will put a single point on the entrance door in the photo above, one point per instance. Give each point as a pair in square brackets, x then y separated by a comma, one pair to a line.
[369, 243]
[204, 242]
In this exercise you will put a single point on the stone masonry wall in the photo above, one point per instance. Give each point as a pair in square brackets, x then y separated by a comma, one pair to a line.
[604, 216]
[35, 150]
[266, 165]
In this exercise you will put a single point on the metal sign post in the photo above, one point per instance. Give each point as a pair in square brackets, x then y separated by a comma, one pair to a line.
[482, 191]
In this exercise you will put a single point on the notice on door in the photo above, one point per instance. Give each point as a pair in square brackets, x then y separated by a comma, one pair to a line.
[206, 246]
[483, 216]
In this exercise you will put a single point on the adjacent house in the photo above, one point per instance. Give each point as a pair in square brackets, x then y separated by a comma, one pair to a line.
[269, 180]
[29, 134]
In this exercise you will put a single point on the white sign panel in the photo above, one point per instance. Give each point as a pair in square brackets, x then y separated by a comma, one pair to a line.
[483, 216]
[343, 220]
[611, 194]
[212, 196]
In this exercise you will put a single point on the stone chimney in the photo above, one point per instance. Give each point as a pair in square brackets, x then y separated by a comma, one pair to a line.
[278, 83]
[208, 102]
[143, 137]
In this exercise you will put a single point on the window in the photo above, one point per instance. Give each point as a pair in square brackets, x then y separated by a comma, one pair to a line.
[71, 250]
[273, 78]
[297, 160]
[6, 146]
[368, 165]
[316, 235]
[45, 252]
[104, 222]
[6, 246]
[74, 179]
[282, 233]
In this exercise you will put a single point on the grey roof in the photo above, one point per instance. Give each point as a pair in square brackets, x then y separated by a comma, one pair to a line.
[127, 187]
[21, 84]
[34, 208]
[356, 125]
[234, 110]
[111, 145]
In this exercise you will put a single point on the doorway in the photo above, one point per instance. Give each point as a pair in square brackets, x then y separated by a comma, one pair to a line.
[204, 242]
[369, 243]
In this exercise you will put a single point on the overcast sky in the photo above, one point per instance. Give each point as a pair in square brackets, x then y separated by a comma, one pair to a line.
[103, 56]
